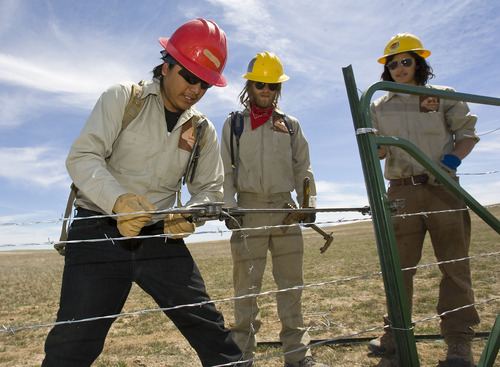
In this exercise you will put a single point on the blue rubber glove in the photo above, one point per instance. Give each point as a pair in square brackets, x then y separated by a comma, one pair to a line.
[449, 164]
[451, 161]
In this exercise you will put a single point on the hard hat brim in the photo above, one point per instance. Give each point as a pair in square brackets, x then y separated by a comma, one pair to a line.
[421, 52]
[264, 79]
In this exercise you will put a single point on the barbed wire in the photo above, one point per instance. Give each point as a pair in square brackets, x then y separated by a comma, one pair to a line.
[218, 231]
[488, 132]
[359, 333]
[12, 330]
[252, 295]
[478, 173]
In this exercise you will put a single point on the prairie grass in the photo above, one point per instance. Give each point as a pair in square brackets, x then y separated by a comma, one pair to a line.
[351, 301]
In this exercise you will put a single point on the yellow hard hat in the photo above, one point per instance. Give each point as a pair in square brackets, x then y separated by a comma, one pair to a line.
[265, 67]
[404, 42]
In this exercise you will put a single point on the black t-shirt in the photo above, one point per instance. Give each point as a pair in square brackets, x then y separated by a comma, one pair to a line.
[171, 119]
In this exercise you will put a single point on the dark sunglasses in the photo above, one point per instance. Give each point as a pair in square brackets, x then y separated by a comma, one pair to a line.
[272, 86]
[192, 79]
[394, 64]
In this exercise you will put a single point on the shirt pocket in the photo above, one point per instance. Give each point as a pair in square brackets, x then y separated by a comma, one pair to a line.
[249, 149]
[132, 152]
[282, 148]
[392, 124]
[431, 124]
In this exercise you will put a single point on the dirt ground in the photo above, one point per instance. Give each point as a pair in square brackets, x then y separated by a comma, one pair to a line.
[336, 308]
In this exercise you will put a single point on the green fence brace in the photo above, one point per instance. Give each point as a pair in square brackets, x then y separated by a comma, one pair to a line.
[380, 206]
[492, 345]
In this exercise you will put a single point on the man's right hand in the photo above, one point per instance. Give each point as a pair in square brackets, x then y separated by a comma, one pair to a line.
[131, 225]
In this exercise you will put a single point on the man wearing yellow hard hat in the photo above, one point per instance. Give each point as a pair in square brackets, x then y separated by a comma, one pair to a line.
[266, 156]
[444, 130]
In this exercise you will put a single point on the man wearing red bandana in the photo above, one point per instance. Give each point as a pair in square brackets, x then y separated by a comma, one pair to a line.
[263, 165]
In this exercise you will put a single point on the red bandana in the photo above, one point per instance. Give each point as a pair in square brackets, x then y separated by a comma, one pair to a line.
[259, 116]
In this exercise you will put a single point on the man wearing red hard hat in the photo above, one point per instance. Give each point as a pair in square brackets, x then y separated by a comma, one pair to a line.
[127, 164]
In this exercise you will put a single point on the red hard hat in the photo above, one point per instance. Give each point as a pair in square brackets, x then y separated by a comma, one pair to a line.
[201, 47]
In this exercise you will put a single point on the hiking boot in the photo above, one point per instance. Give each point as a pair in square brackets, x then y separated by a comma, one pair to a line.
[306, 362]
[383, 345]
[459, 353]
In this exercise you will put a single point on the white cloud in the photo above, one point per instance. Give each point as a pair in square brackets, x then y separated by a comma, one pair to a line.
[39, 166]
[488, 146]
[64, 57]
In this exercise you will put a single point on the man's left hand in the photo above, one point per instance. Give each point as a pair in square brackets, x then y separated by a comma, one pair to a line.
[449, 164]
[176, 223]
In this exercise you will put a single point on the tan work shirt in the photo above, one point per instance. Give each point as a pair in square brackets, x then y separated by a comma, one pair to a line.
[434, 125]
[270, 161]
[143, 159]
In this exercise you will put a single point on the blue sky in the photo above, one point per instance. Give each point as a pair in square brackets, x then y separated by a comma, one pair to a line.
[56, 58]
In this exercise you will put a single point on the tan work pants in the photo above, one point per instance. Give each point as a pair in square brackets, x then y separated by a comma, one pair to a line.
[249, 250]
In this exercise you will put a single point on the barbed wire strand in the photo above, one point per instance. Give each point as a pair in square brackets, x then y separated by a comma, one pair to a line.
[252, 295]
[12, 330]
[359, 333]
[218, 230]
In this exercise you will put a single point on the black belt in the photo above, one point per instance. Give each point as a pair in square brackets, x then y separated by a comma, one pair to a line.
[413, 180]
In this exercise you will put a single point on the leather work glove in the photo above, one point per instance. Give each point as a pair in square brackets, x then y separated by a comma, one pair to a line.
[131, 225]
[310, 218]
[449, 164]
[235, 223]
[176, 223]
[291, 218]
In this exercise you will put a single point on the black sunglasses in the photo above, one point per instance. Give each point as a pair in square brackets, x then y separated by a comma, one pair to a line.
[394, 64]
[272, 86]
[192, 79]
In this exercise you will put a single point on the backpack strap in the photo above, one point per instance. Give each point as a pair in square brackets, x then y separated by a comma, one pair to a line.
[60, 247]
[134, 106]
[237, 125]
[288, 124]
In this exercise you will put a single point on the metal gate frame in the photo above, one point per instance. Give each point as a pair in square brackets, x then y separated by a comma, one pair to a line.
[367, 140]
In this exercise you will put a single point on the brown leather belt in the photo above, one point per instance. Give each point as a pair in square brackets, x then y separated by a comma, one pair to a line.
[413, 180]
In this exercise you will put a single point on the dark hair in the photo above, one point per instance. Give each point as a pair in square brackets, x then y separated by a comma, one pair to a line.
[157, 71]
[167, 59]
[423, 71]
[245, 94]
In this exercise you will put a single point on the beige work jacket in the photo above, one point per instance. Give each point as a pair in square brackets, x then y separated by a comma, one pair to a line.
[143, 159]
[270, 161]
[433, 125]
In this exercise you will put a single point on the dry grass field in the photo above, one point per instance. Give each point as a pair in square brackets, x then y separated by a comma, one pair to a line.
[30, 284]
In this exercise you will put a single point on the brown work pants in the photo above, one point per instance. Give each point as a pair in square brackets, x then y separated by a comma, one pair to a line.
[450, 236]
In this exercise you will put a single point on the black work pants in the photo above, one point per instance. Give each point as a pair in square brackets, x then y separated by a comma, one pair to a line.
[98, 277]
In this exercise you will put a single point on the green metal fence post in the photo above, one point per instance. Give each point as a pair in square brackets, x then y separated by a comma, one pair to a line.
[382, 222]
[492, 346]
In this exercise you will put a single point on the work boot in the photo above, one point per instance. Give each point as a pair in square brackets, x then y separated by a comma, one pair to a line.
[459, 353]
[383, 345]
[309, 361]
